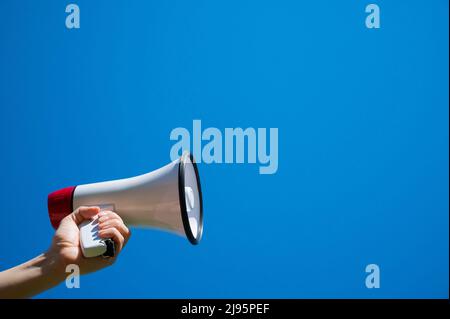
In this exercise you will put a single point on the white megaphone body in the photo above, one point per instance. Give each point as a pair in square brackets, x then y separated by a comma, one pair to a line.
[168, 198]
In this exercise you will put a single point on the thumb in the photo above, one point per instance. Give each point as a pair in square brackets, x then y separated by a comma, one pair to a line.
[83, 213]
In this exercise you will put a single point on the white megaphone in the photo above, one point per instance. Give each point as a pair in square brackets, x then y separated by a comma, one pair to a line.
[168, 198]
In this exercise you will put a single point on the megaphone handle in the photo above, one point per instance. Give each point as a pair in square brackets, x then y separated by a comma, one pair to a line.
[91, 244]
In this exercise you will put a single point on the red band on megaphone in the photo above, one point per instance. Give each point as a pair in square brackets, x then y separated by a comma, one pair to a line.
[60, 204]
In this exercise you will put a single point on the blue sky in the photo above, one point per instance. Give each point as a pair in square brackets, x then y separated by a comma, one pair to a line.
[363, 140]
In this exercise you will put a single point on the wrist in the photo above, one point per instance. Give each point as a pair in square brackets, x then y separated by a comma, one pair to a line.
[52, 267]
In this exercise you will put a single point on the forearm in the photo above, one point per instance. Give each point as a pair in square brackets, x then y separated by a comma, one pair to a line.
[32, 277]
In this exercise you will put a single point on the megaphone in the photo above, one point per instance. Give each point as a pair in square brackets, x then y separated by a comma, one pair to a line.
[169, 198]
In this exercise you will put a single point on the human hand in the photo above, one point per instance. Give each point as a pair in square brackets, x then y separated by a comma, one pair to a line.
[49, 269]
[66, 241]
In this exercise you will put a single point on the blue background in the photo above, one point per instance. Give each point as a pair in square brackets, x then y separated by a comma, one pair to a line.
[363, 140]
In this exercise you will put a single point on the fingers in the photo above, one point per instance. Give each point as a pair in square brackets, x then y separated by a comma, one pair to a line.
[117, 224]
[108, 219]
[107, 214]
[112, 226]
[83, 213]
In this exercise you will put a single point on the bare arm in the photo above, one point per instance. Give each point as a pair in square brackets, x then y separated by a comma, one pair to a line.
[48, 269]
[32, 277]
